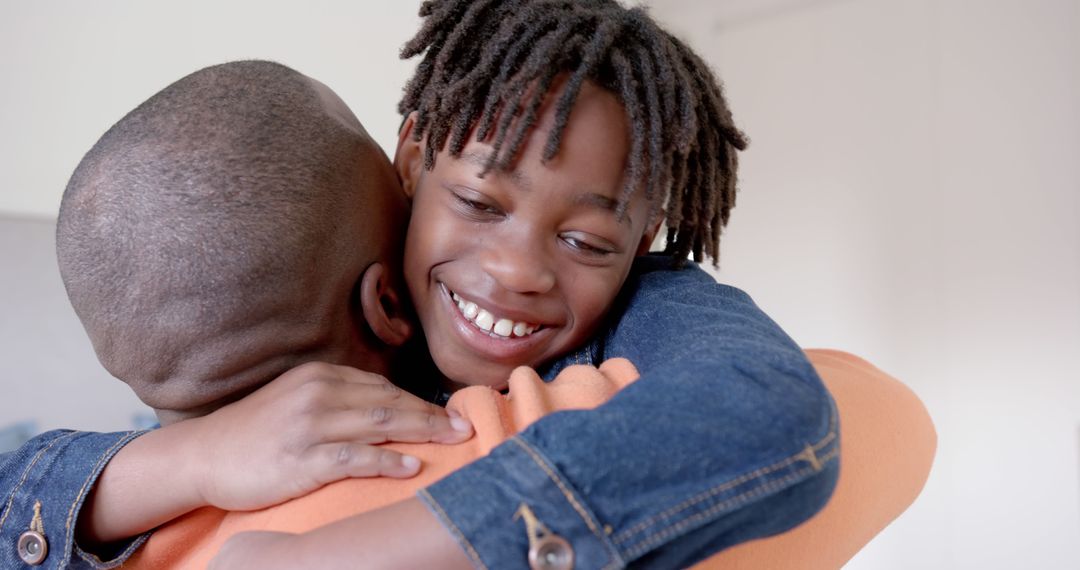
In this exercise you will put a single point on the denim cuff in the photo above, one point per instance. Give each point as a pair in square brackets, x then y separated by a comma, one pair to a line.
[51, 484]
[480, 504]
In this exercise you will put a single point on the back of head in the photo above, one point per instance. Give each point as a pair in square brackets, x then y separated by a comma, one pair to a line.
[212, 237]
[488, 65]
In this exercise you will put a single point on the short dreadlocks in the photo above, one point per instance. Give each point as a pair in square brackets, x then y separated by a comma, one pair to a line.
[491, 62]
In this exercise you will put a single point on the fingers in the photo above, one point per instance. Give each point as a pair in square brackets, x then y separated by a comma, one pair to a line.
[331, 462]
[380, 424]
[348, 387]
[343, 404]
[357, 395]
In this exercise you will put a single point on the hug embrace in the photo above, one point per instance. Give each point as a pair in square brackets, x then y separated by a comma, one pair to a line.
[464, 357]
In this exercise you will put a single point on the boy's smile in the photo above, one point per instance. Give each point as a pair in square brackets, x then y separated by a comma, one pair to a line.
[520, 266]
[496, 326]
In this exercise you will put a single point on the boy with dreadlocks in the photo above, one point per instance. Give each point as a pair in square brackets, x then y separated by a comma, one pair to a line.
[541, 143]
[682, 136]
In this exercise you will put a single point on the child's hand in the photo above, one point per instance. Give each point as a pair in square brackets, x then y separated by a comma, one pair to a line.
[313, 425]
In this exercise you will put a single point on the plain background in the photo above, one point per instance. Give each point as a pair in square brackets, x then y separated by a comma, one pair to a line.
[911, 194]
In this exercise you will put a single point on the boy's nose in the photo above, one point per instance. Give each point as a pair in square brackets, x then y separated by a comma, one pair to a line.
[519, 266]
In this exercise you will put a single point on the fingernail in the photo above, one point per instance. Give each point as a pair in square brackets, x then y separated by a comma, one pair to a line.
[460, 424]
[410, 462]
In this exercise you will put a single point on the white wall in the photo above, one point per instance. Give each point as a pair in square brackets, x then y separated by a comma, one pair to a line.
[71, 69]
[912, 194]
[48, 372]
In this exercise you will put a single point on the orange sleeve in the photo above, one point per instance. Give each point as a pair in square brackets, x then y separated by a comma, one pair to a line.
[192, 540]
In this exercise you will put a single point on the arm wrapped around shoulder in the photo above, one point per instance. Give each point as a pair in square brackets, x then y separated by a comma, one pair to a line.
[889, 444]
[729, 435]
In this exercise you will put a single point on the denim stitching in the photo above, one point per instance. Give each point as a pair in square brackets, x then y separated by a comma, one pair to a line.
[562, 487]
[585, 516]
[454, 529]
[104, 458]
[650, 541]
[26, 473]
[116, 562]
[625, 535]
[616, 563]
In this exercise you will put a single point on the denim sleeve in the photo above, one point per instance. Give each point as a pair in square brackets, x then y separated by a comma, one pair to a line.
[43, 485]
[729, 435]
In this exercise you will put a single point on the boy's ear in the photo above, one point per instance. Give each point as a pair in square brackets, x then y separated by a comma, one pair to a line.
[383, 306]
[650, 236]
[409, 157]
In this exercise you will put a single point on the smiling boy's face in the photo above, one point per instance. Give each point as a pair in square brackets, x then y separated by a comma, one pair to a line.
[520, 266]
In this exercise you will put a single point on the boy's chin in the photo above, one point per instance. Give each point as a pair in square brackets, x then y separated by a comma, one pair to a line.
[496, 377]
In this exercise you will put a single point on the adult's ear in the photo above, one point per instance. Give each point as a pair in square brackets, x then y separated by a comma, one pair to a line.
[384, 306]
[409, 157]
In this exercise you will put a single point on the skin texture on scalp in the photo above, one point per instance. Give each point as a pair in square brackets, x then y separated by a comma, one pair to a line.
[237, 224]
[214, 236]
[540, 242]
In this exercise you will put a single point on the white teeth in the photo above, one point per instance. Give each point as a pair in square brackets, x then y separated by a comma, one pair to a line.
[503, 327]
[487, 322]
[484, 320]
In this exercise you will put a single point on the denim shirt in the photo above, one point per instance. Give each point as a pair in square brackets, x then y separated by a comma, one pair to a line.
[729, 435]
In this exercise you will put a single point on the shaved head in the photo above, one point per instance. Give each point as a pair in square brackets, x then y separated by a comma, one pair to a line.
[213, 237]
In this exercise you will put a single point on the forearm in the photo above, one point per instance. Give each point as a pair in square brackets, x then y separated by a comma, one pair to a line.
[402, 535]
[150, 481]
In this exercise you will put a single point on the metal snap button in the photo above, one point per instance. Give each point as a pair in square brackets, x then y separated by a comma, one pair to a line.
[551, 552]
[33, 548]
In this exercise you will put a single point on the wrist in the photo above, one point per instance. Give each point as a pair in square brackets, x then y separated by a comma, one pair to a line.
[148, 482]
[187, 455]
[168, 462]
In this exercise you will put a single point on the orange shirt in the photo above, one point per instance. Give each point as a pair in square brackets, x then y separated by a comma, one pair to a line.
[888, 444]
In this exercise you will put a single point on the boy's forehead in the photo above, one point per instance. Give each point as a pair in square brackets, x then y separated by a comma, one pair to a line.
[593, 108]
[592, 154]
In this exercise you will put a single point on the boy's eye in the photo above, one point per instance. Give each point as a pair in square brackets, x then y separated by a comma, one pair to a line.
[582, 246]
[474, 207]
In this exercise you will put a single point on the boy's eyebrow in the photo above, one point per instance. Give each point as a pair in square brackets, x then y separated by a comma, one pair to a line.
[481, 159]
[594, 200]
